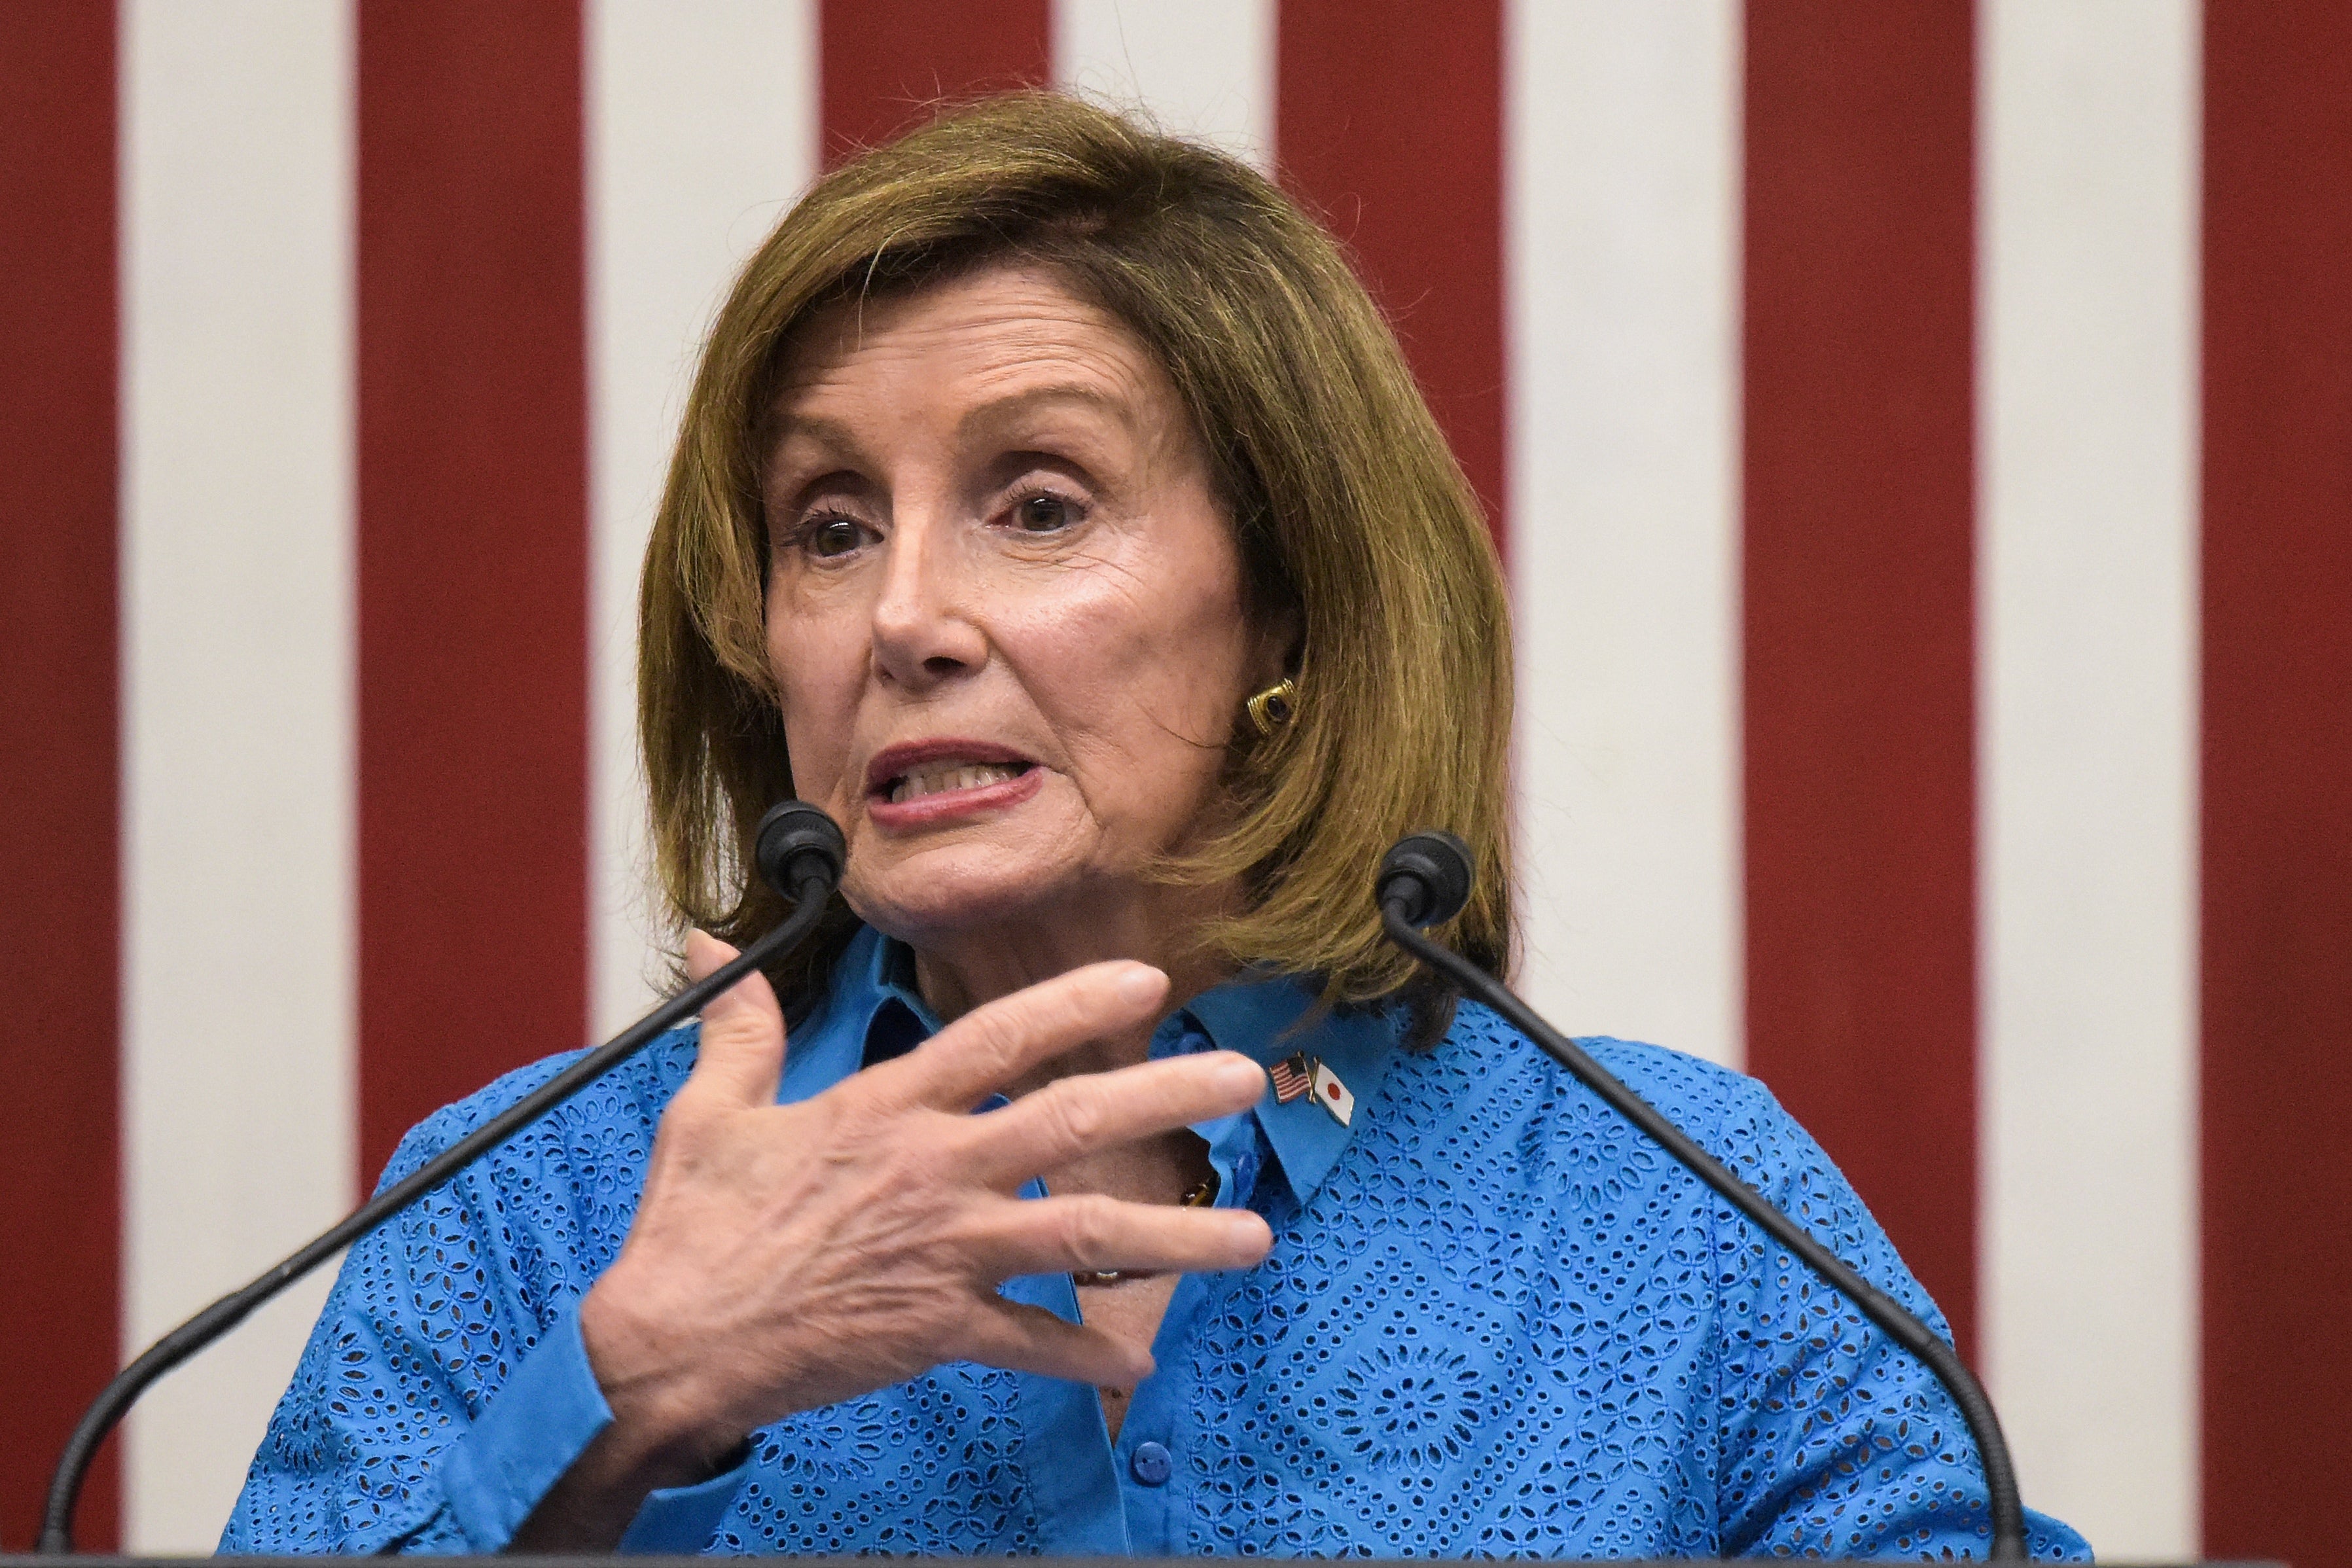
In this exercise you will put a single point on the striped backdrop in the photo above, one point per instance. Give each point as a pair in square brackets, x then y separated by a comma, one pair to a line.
[1920, 438]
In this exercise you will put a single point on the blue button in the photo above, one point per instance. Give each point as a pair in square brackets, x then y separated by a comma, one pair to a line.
[1150, 1464]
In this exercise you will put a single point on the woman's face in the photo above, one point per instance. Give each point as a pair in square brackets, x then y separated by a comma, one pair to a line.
[1005, 612]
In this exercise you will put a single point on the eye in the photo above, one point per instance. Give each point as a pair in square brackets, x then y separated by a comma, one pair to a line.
[1044, 512]
[826, 537]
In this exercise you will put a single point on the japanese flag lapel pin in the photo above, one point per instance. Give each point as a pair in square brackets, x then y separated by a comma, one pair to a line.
[1333, 1095]
[1292, 1076]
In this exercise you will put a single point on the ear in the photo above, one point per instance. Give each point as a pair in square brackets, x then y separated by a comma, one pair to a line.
[1280, 642]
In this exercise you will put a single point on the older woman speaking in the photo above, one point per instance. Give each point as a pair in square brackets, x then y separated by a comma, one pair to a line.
[1055, 509]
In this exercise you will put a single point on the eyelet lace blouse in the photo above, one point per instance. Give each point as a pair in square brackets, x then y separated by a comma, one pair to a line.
[1496, 1321]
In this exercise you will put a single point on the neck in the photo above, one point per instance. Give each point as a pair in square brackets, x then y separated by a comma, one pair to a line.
[959, 969]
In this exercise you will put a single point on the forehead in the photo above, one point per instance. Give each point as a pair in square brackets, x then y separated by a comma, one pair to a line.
[997, 334]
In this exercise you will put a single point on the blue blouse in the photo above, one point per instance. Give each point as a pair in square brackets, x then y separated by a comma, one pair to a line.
[1494, 1322]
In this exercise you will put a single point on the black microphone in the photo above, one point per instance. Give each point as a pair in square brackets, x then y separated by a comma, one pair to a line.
[1425, 880]
[799, 852]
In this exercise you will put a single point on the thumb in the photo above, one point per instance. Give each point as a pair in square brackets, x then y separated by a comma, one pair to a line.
[742, 1055]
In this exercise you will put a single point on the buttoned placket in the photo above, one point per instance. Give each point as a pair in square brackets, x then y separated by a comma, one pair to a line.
[1124, 1498]
[1153, 1434]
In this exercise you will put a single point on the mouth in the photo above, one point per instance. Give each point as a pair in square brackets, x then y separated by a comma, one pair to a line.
[944, 774]
[941, 778]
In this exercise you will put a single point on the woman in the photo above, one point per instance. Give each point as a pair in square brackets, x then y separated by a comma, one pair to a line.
[1054, 509]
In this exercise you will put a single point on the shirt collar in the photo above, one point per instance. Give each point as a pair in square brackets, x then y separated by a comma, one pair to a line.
[872, 1013]
[1269, 1017]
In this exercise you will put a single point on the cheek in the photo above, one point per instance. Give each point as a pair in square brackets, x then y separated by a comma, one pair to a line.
[1140, 681]
[817, 671]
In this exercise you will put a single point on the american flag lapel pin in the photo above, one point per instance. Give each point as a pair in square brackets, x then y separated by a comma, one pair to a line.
[1332, 1095]
[1292, 1075]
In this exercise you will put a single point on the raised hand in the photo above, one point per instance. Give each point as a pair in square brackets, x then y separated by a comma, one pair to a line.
[785, 1258]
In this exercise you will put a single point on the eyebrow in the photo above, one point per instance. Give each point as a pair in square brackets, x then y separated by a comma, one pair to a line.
[1009, 407]
[996, 411]
[814, 427]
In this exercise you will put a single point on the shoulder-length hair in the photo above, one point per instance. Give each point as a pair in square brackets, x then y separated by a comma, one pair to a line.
[1349, 509]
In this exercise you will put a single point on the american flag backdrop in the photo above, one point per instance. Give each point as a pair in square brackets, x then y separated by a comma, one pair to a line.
[1920, 435]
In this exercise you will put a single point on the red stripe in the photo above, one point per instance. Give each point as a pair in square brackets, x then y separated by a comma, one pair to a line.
[59, 944]
[59, 1198]
[884, 62]
[1859, 713]
[2277, 779]
[1389, 122]
[473, 551]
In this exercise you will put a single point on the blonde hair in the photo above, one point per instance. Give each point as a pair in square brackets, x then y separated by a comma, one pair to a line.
[1348, 510]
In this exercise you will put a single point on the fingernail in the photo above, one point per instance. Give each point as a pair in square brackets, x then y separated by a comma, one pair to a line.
[1238, 1073]
[1139, 985]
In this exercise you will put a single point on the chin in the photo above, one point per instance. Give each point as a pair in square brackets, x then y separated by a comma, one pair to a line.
[947, 891]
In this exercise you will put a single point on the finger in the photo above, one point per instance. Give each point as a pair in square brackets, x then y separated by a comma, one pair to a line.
[991, 1046]
[1087, 1111]
[1022, 1338]
[742, 1051]
[1088, 1232]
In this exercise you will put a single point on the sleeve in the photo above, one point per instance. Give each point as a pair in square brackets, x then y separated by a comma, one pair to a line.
[1835, 1441]
[444, 1387]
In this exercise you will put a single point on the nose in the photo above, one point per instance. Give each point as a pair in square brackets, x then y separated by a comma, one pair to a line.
[924, 629]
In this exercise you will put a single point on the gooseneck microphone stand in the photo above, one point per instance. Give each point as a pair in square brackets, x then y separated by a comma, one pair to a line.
[1425, 879]
[800, 854]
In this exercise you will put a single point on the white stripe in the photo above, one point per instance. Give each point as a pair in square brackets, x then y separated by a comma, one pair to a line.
[238, 1030]
[2087, 671]
[702, 130]
[1622, 200]
[1203, 68]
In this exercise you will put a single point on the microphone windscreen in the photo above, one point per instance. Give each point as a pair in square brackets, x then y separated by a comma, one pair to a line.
[1431, 873]
[797, 840]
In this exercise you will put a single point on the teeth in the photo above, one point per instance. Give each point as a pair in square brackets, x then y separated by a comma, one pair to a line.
[939, 777]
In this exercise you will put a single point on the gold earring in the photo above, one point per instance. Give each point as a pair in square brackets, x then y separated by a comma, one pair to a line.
[1276, 707]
